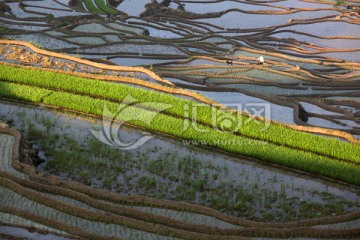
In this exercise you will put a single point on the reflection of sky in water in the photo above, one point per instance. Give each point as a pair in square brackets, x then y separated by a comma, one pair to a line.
[19, 13]
[348, 56]
[24, 233]
[327, 29]
[47, 3]
[229, 20]
[56, 13]
[202, 8]
[137, 61]
[315, 109]
[278, 112]
[301, 4]
[248, 21]
[43, 40]
[333, 43]
[133, 7]
[325, 123]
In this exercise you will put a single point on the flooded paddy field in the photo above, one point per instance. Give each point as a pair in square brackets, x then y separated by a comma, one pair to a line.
[163, 168]
[310, 49]
[310, 77]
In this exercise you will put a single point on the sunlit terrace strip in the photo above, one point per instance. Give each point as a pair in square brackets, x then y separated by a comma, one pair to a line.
[276, 134]
[269, 152]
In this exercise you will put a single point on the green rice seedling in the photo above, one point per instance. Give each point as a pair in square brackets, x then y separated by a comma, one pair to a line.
[101, 4]
[92, 8]
[297, 150]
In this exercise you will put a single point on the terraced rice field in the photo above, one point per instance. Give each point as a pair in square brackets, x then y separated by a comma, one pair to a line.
[169, 37]
[66, 208]
[232, 149]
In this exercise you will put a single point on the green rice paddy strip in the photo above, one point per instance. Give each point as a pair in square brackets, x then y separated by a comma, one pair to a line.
[104, 7]
[274, 133]
[281, 155]
[2, 29]
[91, 7]
[24, 93]
[276, 154]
